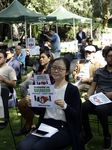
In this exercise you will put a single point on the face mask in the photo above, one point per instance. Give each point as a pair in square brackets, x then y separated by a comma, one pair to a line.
[88, 57]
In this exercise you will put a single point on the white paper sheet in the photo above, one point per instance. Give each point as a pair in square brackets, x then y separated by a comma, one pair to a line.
[43, 127]
[42, 96]
[42, 79]
[99, 99]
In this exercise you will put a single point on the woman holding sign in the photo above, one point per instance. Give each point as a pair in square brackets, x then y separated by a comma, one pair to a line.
[65, 118]
[44, 68]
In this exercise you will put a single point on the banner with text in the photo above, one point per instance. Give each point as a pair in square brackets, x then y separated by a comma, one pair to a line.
[31, 43]
[42, 79]
[42, 96]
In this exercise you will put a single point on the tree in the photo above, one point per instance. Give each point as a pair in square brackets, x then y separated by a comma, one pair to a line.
[79, 7]
[107, 12]
[102, 10]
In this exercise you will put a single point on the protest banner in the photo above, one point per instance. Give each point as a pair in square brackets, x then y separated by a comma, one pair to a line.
[42, 79]
[42, 96]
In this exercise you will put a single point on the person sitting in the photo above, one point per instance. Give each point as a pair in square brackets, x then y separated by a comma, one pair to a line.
[81, 52]
[48, 44]
[12, 61]
[44, 68]
[102, 82]
[66, 118]
[85, 69]
[21, 58]
[30, 76]
[7, 73]
[7, 77]
[99, 56]
[90, 42]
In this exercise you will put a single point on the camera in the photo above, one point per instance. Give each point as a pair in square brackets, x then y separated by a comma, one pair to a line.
[42, 35]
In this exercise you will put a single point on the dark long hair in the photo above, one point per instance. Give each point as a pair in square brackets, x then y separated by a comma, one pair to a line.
[67, 64]
[48, 54]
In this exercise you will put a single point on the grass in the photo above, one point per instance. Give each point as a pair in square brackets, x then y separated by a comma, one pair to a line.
[6, 141]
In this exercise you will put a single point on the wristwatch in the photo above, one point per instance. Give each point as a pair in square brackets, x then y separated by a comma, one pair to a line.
[3, 80]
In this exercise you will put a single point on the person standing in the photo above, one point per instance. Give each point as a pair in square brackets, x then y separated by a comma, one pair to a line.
[55, 42]
[80, 36]
[42, 38]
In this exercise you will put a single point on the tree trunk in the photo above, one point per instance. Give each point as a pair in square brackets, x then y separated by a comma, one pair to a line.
[106, 5]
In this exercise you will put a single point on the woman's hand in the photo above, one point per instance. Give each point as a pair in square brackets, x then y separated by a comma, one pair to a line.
[86, 97]
[28, 100]
[60, 102]
[27, 52]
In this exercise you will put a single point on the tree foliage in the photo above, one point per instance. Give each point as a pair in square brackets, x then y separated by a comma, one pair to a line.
[98, 10]
[102, 10]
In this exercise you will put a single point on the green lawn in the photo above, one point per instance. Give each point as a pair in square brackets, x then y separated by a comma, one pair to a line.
[6, 141]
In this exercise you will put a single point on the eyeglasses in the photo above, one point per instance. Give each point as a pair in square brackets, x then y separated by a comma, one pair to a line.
[58, 69]
[88, 52]
[109, 56]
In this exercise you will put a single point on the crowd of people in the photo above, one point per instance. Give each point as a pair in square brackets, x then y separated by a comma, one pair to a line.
[92, 74]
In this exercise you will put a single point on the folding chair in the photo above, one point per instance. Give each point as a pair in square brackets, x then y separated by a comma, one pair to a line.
[96, 120]
[5, 98]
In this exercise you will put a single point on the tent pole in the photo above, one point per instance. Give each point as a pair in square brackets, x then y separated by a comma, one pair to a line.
[74, 27]
[56, 27]
[74, 33]
[91, 29]
[11, 37]
[25, 32]
[30, 31]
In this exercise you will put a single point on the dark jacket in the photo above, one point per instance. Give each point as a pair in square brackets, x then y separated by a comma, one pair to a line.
[35, 63]
[15, 65]
[97, 49]
[79, 38]
[72, 113]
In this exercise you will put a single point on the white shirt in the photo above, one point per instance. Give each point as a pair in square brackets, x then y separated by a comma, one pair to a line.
[85, 71]
[57, 113]
[100, 58]
[80, 34]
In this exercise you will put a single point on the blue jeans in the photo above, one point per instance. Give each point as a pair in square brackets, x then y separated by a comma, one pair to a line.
[57, 54]
[78, 56]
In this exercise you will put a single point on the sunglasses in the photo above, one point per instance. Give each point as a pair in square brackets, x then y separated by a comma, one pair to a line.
[91, 41]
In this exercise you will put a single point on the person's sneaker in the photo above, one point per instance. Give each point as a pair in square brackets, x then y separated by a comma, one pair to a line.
[87, 139]
[21, 131]
[107, 143]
